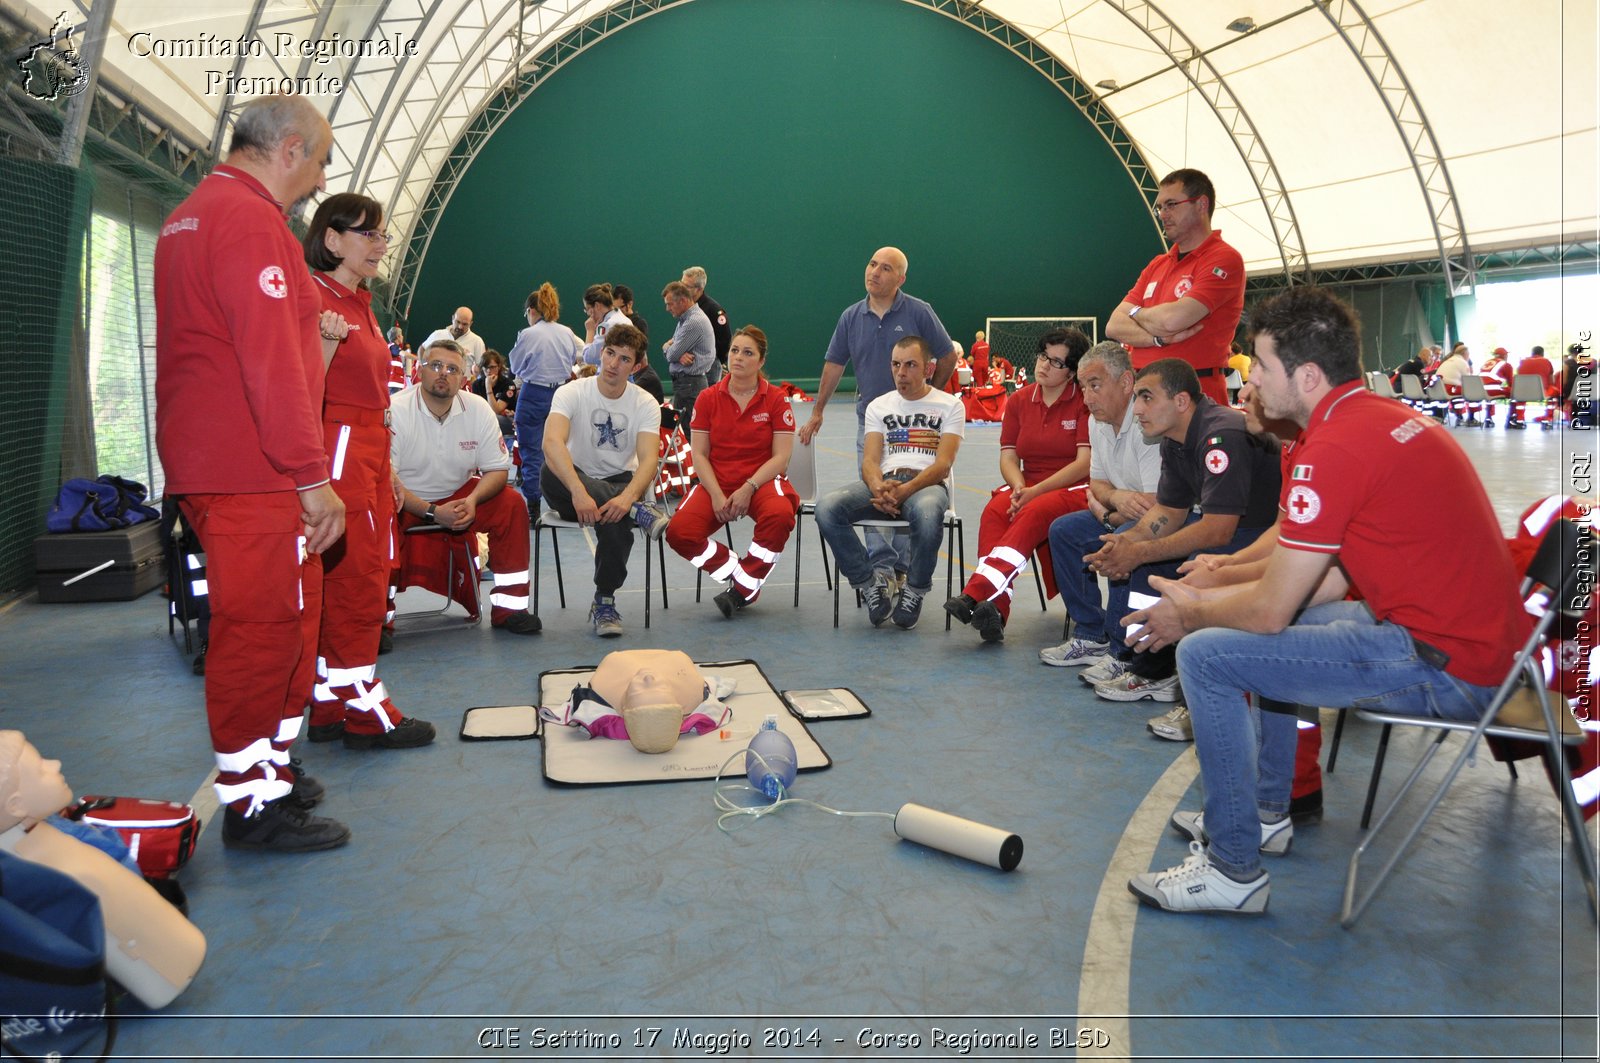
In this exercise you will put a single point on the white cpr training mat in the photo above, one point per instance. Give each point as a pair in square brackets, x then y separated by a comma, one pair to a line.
[572, 758]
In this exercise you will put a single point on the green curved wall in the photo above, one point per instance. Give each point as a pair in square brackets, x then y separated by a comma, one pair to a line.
[778, 143]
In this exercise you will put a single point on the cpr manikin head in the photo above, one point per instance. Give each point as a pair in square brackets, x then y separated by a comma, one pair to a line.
[31, 787]
[651, 710]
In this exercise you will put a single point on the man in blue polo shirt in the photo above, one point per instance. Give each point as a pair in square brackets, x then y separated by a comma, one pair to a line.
[865, 338]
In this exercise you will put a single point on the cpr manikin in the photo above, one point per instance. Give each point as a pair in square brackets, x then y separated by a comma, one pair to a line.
[151, 949]
[649, 697]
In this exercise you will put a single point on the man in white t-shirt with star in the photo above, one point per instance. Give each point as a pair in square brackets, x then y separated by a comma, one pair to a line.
[602, 443]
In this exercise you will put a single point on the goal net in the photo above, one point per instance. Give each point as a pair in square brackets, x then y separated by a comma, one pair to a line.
[1016, 339]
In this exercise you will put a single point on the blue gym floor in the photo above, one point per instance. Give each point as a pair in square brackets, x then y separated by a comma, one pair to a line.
[479, 912]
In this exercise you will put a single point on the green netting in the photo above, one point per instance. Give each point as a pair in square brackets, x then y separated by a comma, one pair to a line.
[44, 209]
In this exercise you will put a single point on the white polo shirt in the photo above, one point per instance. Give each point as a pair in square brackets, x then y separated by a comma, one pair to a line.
[434, 458]
[1122, 457]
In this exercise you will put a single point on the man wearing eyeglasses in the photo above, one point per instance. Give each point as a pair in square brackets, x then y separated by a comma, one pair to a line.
[448, 453]
[1187, 301]
[460, 330]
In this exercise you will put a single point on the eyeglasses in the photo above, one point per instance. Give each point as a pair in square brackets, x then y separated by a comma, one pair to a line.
[1058, 363]
[442, 367]
[380, 236]
[1172, 204]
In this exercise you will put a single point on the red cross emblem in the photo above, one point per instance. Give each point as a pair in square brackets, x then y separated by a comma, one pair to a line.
[272, 282]
[1303, 505]
[1216, 462]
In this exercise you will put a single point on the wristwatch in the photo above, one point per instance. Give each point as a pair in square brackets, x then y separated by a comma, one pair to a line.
[431, 518]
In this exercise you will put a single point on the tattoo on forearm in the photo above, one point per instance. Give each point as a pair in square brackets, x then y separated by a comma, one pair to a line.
[1155, 526]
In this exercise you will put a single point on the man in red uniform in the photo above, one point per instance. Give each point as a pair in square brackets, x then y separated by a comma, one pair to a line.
[1422, 641]
[1187, 301]
[238, 426]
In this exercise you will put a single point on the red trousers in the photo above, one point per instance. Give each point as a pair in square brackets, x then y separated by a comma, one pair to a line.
[266, 606]
[356, 576]
[772, 507]
[1004, 542]
[504, 519]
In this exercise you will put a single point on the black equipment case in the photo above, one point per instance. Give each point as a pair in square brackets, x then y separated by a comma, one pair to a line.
[137, 564]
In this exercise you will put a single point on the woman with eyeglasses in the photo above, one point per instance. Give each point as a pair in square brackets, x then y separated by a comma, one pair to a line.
[344, 247]
[496, 386]
[1044, 461]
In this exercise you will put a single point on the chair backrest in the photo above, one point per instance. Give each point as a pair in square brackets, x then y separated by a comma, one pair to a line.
[1233, 380]
[1411, 385]
[1472, 389]
[1565, 562]
[1382, 386]
[1527, 387]
[802, 472]
[1436, 391]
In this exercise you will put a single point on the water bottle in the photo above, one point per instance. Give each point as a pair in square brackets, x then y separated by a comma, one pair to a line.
[776, 775]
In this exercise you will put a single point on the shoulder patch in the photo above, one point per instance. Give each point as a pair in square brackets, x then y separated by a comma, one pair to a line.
[1301, 472]
[1217, 461]
[273, 282]
[1303, 504]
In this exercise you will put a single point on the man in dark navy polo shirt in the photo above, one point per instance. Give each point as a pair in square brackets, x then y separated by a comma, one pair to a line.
[865, 338]
[1218, 492]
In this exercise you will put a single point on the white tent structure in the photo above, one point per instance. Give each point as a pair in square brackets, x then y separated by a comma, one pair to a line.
[1370, 138]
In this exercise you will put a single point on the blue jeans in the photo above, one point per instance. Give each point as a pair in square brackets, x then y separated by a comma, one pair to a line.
[533, 408]
[924, 511]
[886, 549]
[1072, 537]
[1334, 654]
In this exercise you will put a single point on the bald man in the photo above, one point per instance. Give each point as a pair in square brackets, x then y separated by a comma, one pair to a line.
[460, 330]
[865, 338]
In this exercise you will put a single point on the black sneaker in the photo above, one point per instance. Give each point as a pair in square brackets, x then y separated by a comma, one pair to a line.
[280, 827]
[960, 607]
[1307, 808]
[198, 665]
[728, 603]
[990, 624]
[521, 624]
[385, 641]
[407, 734]
[325, 732]
[306, 791]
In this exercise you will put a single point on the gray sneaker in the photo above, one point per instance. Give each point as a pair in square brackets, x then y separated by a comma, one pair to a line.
[1074, 653]
[650, 518]
[1174, 726]
[1108, 669]
[607, 621]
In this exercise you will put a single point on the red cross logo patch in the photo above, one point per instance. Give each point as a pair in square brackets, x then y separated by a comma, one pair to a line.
[1303, 504]
[1216, 461]
[272, 282]
[1183, 287]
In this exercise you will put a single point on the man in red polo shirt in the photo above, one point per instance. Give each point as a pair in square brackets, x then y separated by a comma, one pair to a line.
[1187, 301]
[239, 376]
[1422, 640]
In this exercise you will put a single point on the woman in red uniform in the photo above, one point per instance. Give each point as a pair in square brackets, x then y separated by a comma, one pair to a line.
[344, 247]
[741, 437]
[1044, 461]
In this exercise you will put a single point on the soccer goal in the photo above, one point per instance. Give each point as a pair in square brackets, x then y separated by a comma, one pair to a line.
[1016, 339]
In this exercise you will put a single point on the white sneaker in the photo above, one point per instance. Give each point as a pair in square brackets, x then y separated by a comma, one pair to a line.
[1174, 726]
[1108, 669]
[1073, 653]
[1275, 837]
[1196, 886]
[1130, 687]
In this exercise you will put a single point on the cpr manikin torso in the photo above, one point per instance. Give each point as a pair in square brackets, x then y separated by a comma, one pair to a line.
[654, 690]
[648, 697]
[151, 949]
